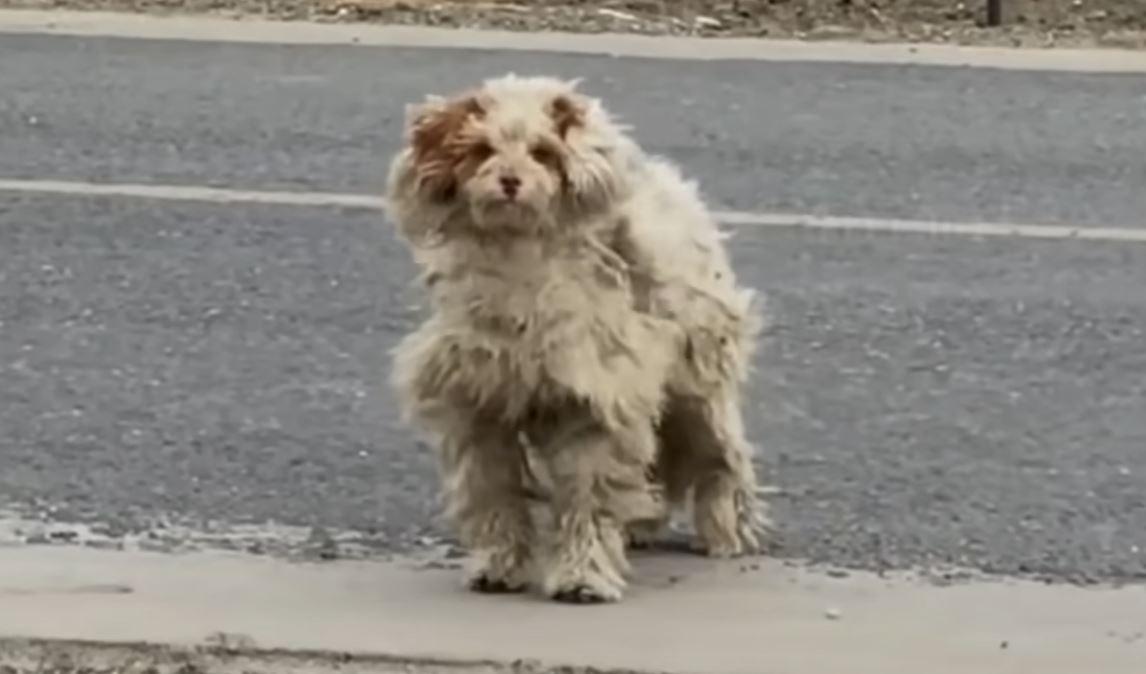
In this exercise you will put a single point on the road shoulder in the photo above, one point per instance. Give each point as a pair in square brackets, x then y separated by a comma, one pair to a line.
[253, 30]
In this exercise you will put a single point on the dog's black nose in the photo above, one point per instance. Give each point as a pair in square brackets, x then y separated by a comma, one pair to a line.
[510, 185]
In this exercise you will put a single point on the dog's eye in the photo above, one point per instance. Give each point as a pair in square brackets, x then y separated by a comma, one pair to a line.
[543, 155]
[481, 151]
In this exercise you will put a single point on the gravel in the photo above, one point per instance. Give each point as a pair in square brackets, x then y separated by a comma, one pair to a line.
[1027, 23]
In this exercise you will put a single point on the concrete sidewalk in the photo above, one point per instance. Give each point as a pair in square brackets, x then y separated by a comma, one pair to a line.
[683, 614]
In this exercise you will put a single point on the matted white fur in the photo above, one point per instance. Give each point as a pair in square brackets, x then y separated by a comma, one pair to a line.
[586, 323]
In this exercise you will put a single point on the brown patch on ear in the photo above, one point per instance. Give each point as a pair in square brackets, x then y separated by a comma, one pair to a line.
[433, 137]
[566, 114]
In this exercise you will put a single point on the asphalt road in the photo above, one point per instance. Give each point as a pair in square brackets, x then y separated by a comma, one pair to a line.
[942, 143]
[920, 400]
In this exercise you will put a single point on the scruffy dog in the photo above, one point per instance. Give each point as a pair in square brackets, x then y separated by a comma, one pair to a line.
[586, 327]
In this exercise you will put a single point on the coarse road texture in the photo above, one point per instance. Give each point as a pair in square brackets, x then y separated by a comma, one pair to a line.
[923, 143]
[920, 400]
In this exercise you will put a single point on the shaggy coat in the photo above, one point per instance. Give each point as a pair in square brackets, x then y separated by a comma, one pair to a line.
[587, 336]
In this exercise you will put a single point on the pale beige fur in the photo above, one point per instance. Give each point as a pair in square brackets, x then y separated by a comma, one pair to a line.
[586, 321]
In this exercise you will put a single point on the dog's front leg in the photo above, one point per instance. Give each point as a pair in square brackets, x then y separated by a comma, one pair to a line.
[599, 485]
[487, 502]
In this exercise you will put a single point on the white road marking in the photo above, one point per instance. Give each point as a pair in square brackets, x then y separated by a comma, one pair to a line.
[971, 229]
[258, 31]
[192, 193]
[220, 195]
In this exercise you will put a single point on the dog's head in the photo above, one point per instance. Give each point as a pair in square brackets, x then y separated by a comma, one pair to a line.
[516, 155]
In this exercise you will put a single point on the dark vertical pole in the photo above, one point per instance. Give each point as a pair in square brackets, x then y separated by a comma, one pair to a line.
[994, 12]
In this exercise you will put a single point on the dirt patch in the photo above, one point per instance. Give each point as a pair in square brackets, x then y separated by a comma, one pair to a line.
[1028, 23]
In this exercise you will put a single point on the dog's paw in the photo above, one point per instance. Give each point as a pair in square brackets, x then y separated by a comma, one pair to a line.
[587, 583]
[644, 534]
[500, 571]
[738, 526]
[747, 539]
[484, 583]
[580, 593]
[719, 548]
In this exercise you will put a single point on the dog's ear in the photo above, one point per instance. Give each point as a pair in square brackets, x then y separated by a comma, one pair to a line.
[432, 132]
[591, 181]
[568, 112]
[414, 111]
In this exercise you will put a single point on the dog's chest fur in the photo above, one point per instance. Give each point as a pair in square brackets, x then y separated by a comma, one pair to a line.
[528, 324]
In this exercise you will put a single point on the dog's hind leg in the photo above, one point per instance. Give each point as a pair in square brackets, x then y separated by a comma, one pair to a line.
[647, 532]
[704, 449]
[599, 486]
[486, 500]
